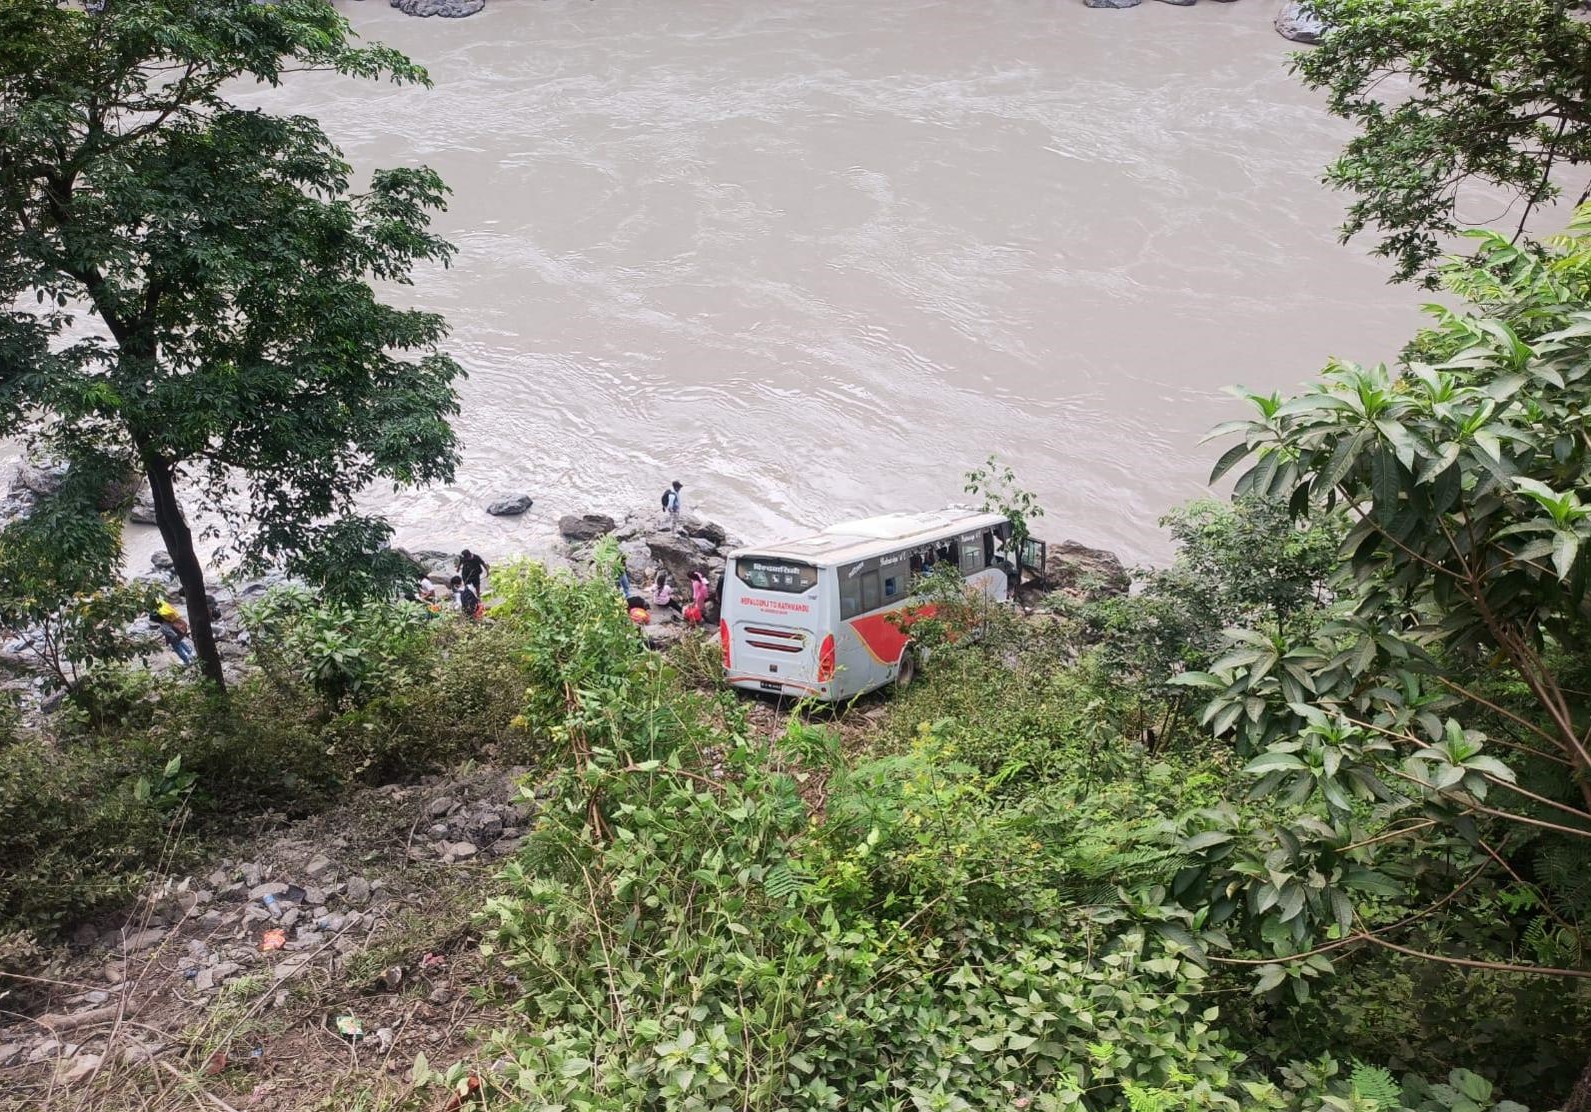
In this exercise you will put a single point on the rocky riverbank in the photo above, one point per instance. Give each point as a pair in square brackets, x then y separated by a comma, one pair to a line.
[297, 948]
[1294, 21]
[647, 542]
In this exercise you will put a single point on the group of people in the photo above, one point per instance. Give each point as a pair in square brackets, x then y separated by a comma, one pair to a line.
[692, 609]
[464, 588]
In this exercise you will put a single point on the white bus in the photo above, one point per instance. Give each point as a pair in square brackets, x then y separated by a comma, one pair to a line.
[816, 616]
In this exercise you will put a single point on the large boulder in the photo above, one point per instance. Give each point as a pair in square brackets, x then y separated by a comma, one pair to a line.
[511, 506]
[143, 510]
[430, 561]
[678, 555]
[38, 478]
[1181, 3]
[448, 9]
[585, 527]
[709, 531]
[1083, 571]
[1297, 21]
[1112, 3]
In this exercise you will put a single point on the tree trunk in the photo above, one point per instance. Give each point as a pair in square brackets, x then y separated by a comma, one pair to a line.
[1580, 1097]
[190, 573]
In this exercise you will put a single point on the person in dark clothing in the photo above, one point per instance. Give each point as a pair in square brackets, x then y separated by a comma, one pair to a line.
[469, 602]
[471, 568]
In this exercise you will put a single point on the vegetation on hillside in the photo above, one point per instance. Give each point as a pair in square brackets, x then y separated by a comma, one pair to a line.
[1299, 824]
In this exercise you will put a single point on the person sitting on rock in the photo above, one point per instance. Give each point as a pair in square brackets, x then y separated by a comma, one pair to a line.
[699, 593]
[663, 594]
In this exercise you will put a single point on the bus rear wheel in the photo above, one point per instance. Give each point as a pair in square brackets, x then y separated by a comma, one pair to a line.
[906, 670]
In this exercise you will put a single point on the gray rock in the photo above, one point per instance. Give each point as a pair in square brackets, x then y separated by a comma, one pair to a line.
[1087, 572]
[142, 511]
[1298, 22]
[358, 891]
[260, 891]
[586, 527]
[1180, 3]
[80, 1069]
[145, 940]
[512, 506]
[10, 1052]
[440, 806]
[162, 561]
[430, 561]
[1112, 3]
[486, 826]
[251, 872]
[447, 9]
[47, 1049]
[675, 554]
[319, 865]
[710, 530]
[462, 851]
[38, 477]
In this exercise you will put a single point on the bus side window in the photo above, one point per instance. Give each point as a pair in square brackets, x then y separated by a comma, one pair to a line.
[850, 596]
[870, 595]
[988, 548]
[972, 557]
[891, 587]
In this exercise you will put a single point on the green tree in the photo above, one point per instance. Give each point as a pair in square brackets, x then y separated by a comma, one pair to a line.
[224, 266]
[57, 564]
[996, 484]
[1426, 750]
[1444, 92]
[1246, 563]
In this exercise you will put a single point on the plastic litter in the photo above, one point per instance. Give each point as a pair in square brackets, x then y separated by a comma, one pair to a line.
[350, 1027]
[272, 906]
[273, 940]
[433, 961]
[392, 977]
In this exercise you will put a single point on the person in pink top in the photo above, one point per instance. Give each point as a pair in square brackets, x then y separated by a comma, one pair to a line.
[699, 592]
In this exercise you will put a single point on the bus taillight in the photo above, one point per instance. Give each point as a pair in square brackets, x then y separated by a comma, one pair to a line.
[723, 641]
[826, 660]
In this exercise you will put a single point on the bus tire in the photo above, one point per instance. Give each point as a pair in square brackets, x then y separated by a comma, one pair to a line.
[906, 670]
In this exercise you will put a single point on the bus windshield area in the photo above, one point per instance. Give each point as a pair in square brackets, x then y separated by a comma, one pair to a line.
[784, 576]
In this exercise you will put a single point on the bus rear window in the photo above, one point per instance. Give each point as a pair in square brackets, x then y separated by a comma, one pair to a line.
[776, 575]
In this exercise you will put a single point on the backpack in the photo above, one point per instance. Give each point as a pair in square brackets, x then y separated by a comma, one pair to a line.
[666, 493]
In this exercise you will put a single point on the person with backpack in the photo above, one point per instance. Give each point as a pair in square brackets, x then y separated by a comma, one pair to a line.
[175, 632]
[673, 504]
[469, 602]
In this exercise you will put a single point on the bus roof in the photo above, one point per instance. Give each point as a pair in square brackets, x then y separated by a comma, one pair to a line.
[848, 541]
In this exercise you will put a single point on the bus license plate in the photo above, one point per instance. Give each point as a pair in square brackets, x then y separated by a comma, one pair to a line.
[771, 685]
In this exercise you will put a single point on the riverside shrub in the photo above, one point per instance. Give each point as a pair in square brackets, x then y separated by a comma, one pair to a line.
[708, 919]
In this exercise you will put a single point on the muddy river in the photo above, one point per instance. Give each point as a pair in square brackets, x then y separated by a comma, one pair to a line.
[815, 258]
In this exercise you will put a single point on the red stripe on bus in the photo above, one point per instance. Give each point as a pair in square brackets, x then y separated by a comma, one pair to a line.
[884, 634]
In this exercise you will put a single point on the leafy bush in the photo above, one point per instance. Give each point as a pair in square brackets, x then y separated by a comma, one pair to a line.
[75, 837]
[369, 693]
[348, 653]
